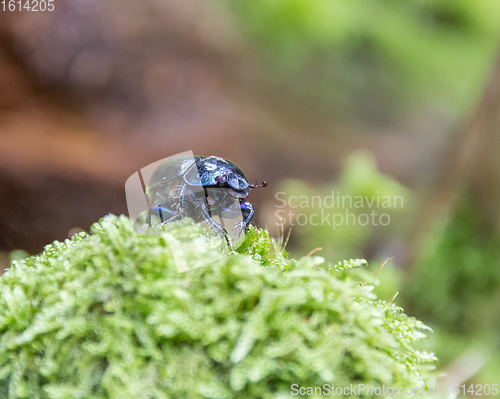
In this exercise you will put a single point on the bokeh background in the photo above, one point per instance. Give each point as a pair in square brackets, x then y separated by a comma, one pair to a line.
[396, 97]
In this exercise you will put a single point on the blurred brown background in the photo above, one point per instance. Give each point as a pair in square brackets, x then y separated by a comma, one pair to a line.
[95, 90]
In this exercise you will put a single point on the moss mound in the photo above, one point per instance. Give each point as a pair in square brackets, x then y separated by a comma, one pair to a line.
[107, 315]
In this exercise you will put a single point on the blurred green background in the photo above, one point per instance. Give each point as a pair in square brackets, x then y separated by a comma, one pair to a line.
[363, 98]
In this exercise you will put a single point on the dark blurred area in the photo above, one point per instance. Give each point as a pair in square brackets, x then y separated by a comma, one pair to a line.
[93, 91]
[289, 91]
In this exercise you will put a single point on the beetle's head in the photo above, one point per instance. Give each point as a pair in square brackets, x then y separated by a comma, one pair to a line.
[237, 183]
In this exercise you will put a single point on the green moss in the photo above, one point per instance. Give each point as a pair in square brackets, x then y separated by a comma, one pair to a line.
[107, 315]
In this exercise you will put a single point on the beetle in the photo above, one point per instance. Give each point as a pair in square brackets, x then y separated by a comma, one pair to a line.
[201, 188]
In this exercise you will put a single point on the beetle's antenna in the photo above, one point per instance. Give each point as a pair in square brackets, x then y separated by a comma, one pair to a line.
[264, 184]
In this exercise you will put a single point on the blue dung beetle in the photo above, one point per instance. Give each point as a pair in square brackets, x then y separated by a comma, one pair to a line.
[201, 188]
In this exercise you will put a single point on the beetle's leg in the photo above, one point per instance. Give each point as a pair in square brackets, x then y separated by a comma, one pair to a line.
[247, 211]
[216, 227]
[159, 212]
[180, 211]
[177, 212]
[178, 215]
[163, 215]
